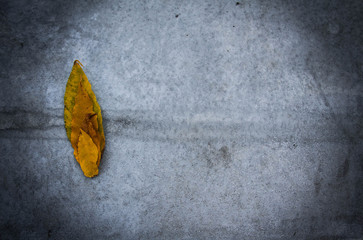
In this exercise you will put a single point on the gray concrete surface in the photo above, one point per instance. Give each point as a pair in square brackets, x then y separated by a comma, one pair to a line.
[223, 119]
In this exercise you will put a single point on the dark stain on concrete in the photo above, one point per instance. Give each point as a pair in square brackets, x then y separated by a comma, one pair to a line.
[343, 169]
[317, 180]
[126, 122]
[215, 156]
[20, 119]
[226, 155]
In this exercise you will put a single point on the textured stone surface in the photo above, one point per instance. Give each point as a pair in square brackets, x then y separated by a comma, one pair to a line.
[223, 119]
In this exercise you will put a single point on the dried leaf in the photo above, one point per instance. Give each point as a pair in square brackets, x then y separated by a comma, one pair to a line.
[83, 121]
[87, 155]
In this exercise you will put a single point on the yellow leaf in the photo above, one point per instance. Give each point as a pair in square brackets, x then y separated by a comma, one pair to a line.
[83, 121]
[87, 155]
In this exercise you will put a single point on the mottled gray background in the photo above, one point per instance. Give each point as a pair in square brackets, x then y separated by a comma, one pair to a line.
[223, 119]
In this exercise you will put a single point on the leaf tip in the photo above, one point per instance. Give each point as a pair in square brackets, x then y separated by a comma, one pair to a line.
[77, 62]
